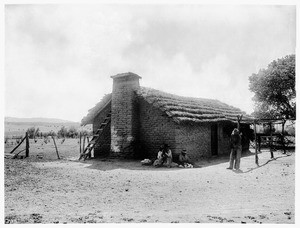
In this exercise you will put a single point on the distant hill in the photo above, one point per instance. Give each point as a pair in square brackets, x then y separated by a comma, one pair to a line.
[18, 126]
[36, 120]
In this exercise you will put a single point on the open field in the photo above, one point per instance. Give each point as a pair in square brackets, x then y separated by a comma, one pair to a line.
[47, 190]
[20, 128]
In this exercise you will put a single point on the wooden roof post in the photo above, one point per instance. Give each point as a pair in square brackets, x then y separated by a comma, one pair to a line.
[271, 140]
[255, 136]
[282, 136]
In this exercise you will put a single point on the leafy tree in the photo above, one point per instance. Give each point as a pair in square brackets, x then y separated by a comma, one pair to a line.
[31, 132]
[63, 132]
[274, 89]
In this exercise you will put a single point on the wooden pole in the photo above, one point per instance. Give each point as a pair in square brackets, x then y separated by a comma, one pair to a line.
[27, 145]
[83, 144]
[79, 142]
[282, 137]
[55, 147]
[256, 156]
[271, 140]
[18, 144]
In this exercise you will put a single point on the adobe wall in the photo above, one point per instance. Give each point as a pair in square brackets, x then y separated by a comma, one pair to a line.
[195, 139]
[155, 129]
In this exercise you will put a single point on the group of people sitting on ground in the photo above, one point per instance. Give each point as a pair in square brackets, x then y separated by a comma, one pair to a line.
[164, 156]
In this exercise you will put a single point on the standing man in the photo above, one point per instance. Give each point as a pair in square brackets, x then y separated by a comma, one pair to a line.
[236, 149]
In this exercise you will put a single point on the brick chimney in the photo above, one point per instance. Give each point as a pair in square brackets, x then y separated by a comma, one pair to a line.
[124, 116]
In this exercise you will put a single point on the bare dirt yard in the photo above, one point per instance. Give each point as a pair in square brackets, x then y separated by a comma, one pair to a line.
[47, 190]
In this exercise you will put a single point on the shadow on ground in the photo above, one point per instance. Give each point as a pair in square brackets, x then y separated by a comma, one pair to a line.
[270, 160]
[111, 164]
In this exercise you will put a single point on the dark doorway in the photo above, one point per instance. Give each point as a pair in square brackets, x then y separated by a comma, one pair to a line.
[214, 139]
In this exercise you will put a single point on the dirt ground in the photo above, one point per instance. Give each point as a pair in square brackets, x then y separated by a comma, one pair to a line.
[47, 190]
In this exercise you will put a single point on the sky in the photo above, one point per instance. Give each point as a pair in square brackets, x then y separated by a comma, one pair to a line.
[59, 58]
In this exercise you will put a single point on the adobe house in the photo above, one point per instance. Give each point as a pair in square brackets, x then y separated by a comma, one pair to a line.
[138, 120]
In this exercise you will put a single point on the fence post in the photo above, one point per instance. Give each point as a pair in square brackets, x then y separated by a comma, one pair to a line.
[282, 137]
[55, 147]
[83, 144]
[271, 140]
[27, 145]
[256, 156]
[18, 144]
[80, 143]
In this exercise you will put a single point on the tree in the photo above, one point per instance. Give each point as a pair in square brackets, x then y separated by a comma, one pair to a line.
[62, 132]
[31, 132]
[274, 89]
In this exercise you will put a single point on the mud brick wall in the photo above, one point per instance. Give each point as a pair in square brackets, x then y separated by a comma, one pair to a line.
[195, 139]
[103, 147]
[124, 122]
[155, 129]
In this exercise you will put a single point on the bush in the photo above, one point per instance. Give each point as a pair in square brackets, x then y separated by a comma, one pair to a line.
[72, 132]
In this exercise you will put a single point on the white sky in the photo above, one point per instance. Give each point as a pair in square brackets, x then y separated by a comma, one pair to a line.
[59, 58]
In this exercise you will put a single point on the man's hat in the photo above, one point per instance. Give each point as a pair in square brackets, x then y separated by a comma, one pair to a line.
[183, 151]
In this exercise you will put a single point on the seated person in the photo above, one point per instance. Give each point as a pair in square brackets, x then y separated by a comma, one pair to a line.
[160, 160]
[167, 153]
[184, 160]
[164, 156]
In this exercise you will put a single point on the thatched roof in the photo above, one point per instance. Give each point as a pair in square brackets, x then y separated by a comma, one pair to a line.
[180, 109]
[191, 110]
[93, 112]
